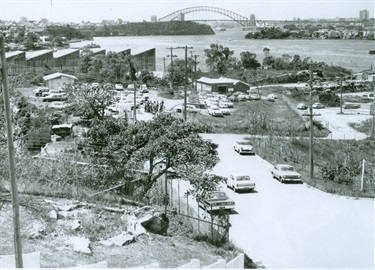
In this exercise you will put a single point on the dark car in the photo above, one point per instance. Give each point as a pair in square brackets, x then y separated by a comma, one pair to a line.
[216, 200]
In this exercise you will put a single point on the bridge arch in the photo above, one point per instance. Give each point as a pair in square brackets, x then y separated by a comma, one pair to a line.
[234, 16]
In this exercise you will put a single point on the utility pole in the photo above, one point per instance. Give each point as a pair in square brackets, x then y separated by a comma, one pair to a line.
[195, 71]
[340, 81]
[171, 56]
[185, 81]
[135, 103]
[373, 112]
[166, 197]
[164, 63]
[12, 169]
[311, 115]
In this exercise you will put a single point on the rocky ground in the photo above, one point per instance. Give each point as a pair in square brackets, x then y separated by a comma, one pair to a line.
[69, 233]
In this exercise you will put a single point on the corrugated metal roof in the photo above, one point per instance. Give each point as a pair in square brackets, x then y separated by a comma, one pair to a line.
[64, 52]
[11, 54]
[33, 54]
[96, 50]
[219, 80]
[136, 51]
[57, 75]
[120, 50]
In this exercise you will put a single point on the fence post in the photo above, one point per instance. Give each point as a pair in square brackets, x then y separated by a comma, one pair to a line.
[178, 197]
[363, 173]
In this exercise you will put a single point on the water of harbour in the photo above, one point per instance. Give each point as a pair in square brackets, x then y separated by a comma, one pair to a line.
[351, 54]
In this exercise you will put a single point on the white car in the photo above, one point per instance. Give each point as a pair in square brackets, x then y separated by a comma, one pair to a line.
[271, 97]
[226, 104]
[240, 182]
[225, 111]
[40, 90]
[189, 108]
[215, 111]
[285, 173]
[302, 106]
[58, 105]
[318, 105]
[243, 147]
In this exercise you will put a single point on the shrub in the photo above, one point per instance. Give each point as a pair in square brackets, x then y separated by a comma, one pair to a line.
[329, 99]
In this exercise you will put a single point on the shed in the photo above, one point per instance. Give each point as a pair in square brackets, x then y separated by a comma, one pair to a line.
[221, 85]
[62, 130]
[57, 80]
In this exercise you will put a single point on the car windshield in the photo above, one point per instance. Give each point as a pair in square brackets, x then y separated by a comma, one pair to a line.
[243, 143]
[243, 178]
[287, 168]
[217, 196]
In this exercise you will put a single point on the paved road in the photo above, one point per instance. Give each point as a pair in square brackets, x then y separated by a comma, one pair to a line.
[292, 225]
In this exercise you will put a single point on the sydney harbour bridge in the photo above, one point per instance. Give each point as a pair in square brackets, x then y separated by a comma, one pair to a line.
[179, 15]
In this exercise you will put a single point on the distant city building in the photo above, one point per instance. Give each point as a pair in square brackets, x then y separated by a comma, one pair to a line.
[252, 20]
[364, 14]
[154, 19]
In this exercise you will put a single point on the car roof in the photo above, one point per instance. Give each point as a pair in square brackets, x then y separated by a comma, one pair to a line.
[283, 165]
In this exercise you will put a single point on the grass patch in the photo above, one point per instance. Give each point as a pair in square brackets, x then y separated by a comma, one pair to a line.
[343, 157]
[259, 117]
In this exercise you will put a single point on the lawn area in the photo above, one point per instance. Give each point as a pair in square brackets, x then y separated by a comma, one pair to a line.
[260, 117]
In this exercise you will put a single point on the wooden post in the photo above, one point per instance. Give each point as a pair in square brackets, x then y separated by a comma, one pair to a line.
[363, 173]
[12, 167]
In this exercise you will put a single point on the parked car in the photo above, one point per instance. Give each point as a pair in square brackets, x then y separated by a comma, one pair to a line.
[271, 97]
[233, 98]
[302, 106]
[226, 104]
[255, 97]
[243, 97]
[352, 106]
[54, 97]
[40, 90]
[318, 105]
[225, 111]
[189, 108]
[285, 173]
[215, 111]
[240, 182]
[53, 91]
[216, 200]
[58, 105]
[243, 147]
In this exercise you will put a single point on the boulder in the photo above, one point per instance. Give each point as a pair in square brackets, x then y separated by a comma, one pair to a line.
[122, 239]
[52, 214]
[157, 224]
[80, 244]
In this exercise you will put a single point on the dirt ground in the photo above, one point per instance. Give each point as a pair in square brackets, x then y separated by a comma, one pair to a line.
[50, 236]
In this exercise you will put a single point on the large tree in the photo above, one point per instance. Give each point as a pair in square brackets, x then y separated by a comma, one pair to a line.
[248, 60]
[177, 70]
[160, 144]
[90, 100]
[219, 58]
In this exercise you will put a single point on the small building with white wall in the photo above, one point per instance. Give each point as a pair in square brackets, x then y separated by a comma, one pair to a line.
[57, 80]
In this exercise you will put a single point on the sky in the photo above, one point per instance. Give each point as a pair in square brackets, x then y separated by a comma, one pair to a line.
[137, 11]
